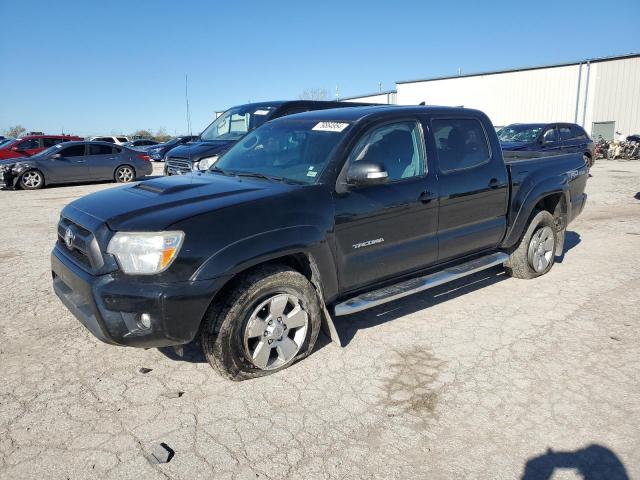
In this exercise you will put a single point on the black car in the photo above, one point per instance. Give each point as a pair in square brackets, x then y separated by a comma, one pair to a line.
[231, 126]
[311, 215]
[75, 162]
[553, 138]
[157, 152]
[141, 144]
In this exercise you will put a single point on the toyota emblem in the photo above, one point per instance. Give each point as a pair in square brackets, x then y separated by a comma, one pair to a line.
[69, 237]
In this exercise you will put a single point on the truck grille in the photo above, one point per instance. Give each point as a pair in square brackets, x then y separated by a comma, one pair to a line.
[79, 243]
[178, 166]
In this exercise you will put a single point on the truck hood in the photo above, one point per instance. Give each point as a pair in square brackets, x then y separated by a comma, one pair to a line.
[156, 204]
[512, 146]
[197, 150]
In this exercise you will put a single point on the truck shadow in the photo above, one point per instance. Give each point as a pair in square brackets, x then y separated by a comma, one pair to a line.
[348, 327]
[594, 462]
[571, 239]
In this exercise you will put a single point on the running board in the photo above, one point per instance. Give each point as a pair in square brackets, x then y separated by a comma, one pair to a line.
[415, 285]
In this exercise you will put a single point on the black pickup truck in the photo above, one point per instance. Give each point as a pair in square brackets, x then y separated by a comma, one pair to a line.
[203, 151]
[309, 217]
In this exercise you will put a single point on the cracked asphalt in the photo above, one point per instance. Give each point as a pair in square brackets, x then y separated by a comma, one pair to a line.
[485, 378]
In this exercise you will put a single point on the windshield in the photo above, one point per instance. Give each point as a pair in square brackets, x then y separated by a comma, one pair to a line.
[236, 122]
[295, 150]
[519, 133]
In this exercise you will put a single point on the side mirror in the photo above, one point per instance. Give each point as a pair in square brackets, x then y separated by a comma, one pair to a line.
[56, 155]
[16, 149]
[366, 173]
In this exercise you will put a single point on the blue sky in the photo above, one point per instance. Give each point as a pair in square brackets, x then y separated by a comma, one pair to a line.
[104, 67]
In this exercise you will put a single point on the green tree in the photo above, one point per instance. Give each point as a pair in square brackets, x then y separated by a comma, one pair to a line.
[15, 131]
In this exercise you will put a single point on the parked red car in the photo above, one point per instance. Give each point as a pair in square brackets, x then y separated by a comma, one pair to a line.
[32, 144]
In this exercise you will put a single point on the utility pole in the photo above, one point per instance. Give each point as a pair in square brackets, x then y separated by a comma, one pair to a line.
[186, 99]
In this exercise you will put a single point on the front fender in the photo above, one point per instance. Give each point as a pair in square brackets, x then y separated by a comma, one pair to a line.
[266, 246]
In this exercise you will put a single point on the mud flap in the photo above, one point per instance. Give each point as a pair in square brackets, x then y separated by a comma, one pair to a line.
[328, 326]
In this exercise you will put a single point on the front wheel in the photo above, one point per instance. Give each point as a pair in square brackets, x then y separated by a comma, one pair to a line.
[536, 252]
[32, 180]
[267, 321]
[124, 174]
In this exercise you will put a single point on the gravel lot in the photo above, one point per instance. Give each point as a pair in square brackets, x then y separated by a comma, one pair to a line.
[477, 379]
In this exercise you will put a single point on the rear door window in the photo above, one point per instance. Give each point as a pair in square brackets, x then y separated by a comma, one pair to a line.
[565, 132]
[121, 139]
[460, 143]
[100, 150]
[73, 151]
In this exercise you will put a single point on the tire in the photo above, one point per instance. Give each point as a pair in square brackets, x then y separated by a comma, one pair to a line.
[534, 256]
[124, 174]
[32, 180]
[236, 335]
[587, 159]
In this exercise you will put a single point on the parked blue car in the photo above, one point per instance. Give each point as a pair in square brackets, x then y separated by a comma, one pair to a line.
[547, 137]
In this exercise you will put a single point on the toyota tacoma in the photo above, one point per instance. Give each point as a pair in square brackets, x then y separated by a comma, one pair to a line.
[309, 217]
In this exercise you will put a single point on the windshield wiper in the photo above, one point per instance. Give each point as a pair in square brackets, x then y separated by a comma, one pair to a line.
[219, 170]
[271, 178]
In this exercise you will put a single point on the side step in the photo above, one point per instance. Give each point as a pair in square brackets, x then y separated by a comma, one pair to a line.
[415, 285]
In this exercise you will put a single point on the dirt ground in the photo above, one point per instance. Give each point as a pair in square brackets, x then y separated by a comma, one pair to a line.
[486, 378]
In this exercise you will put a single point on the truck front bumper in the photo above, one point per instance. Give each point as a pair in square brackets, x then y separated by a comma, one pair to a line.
[121, 310]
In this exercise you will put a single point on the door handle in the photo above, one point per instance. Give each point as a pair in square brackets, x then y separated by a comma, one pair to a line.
[426, 197]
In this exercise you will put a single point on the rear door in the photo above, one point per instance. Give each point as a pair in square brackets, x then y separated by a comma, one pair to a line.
[388, 229]
[473, 187]
[71, 165]
[101, 160]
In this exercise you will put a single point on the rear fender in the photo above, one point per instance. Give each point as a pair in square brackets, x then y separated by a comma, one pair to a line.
[526, 201]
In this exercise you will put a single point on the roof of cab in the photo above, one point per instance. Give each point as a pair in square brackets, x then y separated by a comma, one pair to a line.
[354, 114]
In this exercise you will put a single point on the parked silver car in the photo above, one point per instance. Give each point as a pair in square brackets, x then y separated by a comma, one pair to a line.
[75, 162]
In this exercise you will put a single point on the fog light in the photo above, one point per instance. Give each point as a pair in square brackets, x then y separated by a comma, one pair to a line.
[145, 320]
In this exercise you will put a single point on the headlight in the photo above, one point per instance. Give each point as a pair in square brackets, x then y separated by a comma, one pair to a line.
[205, 163]
[145, 253]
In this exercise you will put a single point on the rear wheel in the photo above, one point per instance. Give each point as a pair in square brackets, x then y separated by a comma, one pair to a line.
[267, 321]
[32, 180]
[587, 159]
[125, 174]
[535, 254]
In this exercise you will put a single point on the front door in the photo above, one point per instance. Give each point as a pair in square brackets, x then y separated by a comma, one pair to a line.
[71, 165]
[473, 188]
[550, 141]
[391, 228]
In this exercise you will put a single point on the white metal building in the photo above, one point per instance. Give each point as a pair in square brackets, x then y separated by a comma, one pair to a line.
[602, 94]
[388, 97]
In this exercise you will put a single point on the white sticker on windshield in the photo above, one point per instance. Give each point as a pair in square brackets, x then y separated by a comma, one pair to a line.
[261, 112]
[330, 126]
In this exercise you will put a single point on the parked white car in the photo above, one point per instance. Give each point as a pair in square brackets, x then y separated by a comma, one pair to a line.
[116, 140]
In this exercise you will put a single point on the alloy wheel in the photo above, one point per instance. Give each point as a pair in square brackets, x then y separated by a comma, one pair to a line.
[275, 331]
[541, 249]
[32, 179]
[125, 174]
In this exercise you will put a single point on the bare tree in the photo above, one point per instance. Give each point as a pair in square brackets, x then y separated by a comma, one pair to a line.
[162, 135]
[15, 131]
[314, 94]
